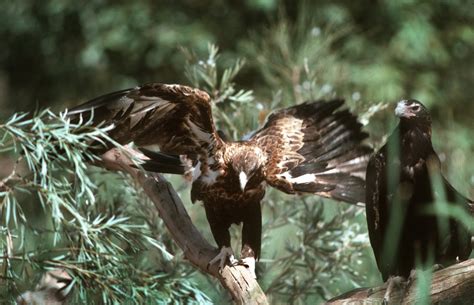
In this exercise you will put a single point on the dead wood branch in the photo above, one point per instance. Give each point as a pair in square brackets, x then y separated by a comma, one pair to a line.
[453, 285]
[237, 280]
[54, 288]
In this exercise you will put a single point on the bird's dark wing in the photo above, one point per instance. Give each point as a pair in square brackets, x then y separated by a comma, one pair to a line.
[159, 162]
[460, 235]
[376, 204]
[315, 149]
[176, 118]
[453, 195]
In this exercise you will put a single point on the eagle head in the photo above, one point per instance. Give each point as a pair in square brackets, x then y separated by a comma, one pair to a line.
[412, 110]
[246, 164]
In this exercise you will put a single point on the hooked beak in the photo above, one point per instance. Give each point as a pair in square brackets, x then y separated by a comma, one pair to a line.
[402, 110]
[243, 180]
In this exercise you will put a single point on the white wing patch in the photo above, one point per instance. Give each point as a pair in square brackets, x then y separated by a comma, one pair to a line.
[354, 161]
[306, 178]
[331, 171]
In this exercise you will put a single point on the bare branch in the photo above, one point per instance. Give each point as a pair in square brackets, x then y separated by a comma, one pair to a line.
[452, 285]
[237, 279]
[54, 288]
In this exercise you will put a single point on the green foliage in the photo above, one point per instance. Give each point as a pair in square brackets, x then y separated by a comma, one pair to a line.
[325, 257]
[225, 97]
[297, 59]
[57, 47]
[58, 212]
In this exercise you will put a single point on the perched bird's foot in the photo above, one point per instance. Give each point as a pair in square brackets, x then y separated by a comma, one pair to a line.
[392, 283]
[413, 274]
[249, 263]
[437, 267]
[221, 258]
[374, 291]
[411, 278]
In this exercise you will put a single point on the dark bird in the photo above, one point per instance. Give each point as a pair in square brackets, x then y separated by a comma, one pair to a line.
[400, 194]
[312, 148]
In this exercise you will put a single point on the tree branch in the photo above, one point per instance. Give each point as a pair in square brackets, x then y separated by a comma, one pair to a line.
[236, 279]
[54, 288]
[452, 285]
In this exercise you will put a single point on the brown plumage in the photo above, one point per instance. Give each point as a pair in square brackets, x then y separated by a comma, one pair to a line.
[401, 184]
[312, 147]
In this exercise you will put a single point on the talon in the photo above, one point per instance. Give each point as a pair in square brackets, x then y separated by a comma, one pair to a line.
[437, 267]
[392, 282]
[411, 277]
[373, 290]
[249, 263]
[221, 258]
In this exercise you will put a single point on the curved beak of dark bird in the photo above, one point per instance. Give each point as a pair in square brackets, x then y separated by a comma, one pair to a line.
[403, 109]
[243, 179]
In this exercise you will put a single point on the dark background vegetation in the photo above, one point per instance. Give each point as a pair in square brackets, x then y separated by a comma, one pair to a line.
[373, 53]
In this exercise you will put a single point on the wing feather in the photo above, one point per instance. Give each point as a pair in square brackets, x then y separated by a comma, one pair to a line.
[176, 118]
[314, 148]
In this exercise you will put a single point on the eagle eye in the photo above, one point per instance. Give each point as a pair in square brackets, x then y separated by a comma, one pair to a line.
[416, 108]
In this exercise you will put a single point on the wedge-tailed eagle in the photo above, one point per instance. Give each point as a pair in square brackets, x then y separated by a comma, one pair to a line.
[404, 228]
[313, 148]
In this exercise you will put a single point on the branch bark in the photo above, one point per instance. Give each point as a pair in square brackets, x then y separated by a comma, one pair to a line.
[54, 288]
[243, 288]
[452, 285]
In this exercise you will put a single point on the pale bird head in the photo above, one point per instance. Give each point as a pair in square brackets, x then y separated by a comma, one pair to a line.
[412, 110]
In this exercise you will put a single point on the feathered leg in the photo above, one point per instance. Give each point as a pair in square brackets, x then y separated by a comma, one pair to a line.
[220, 231]
[251, 236]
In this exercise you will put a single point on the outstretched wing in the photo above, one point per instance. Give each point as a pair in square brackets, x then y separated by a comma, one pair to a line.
[176, 118]
[315, 149]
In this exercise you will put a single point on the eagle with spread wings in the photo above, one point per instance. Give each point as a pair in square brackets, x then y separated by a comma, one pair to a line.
[314, 147]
